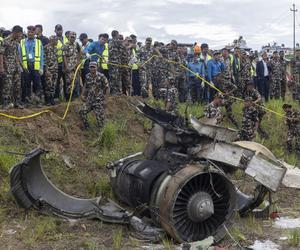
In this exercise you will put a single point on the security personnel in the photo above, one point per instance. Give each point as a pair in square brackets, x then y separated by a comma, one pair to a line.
[10, 68]
[136, 87]
[104, 57]
[33, 64]
[62, 40]
[83, 38]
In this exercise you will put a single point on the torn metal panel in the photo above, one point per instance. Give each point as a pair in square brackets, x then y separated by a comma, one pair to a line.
[264, 170]
[32, 189]
[214, 132]
[225, 153]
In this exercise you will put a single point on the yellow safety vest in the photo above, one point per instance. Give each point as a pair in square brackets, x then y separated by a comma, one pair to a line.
[134, 66]
[59, 48]
[105, 57]
[231, 59]
[37, 54]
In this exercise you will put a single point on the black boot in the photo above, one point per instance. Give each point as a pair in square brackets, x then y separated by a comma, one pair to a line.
[52, 102]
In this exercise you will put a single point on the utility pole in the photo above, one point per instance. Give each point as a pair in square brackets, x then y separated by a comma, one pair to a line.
[294, 10]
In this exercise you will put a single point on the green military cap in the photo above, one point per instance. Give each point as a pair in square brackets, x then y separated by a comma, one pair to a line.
[93, 64]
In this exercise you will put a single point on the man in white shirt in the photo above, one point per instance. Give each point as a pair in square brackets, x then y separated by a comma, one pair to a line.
[262, 72]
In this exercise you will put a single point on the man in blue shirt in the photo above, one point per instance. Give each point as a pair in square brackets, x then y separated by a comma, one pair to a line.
[214, 68]
[96, 47]
[32, 53]
[194, 83]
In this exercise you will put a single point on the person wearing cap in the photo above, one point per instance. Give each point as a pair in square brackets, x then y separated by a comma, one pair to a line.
[295, 70]
[176, 70]
[158, 75]
[61, 40]
[283, 64]
[253, 94]
[250, 121]
[126, 71]
[292, 120]
[115, 50]
[236, 64]
[227, 86]
[145, 70]
[134, 63]
[71, 59]
[212, 111]
[215, 68]
[11, 68]
[93, 96]
[275, 76]
[51, 70]
[245, 72]
[32, 54]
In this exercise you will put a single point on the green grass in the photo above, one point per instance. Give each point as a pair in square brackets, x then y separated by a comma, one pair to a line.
[117, 239]
[294, 237]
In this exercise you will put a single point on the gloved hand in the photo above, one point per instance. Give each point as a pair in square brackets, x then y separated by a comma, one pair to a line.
[202, 84]
[41, 72]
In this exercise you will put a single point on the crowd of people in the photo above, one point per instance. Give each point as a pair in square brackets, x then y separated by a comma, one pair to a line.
[36, 70]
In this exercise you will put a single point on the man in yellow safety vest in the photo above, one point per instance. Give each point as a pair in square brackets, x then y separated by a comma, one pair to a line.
[135, 80]
[33, 63]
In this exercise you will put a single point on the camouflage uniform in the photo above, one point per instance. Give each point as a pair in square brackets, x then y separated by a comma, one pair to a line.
[125, 72]
[11, 90]
[213, 111]
[295, 69]
[116, 48]
[228, 86]
[245, 75]
[94, 92]
[293, 130]
[145, 72]
[51, 65]
[70, 51]
[276, 76]
[283, 64]
[170, 95]
[178, 73]
[250, 119]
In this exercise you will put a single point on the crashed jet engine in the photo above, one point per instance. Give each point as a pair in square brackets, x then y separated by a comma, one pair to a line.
[179, 182]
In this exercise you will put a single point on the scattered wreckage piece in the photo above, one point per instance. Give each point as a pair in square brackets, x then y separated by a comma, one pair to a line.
[179, 182]
[32, 189]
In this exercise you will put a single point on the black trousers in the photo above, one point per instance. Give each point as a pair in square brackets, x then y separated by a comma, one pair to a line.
[61, 75]
[136, 85]
[32, 82]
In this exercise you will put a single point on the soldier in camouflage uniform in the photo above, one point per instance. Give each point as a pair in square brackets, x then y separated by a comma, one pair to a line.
[249, 122]
[11, 68]
[157, 74]
[228, 87]
[293, 123]
[71, 57]
[144, 54]
[283, 64]
[213, 110]
[254, 95]
[170, 96]
[245, 73]
[276, 76]
[51, 69]
[116, 48]
[295, 70]
[126, 71]
[93, 95]
[176, 70]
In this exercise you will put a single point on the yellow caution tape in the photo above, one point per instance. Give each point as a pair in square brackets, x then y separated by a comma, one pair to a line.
[125, 66]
